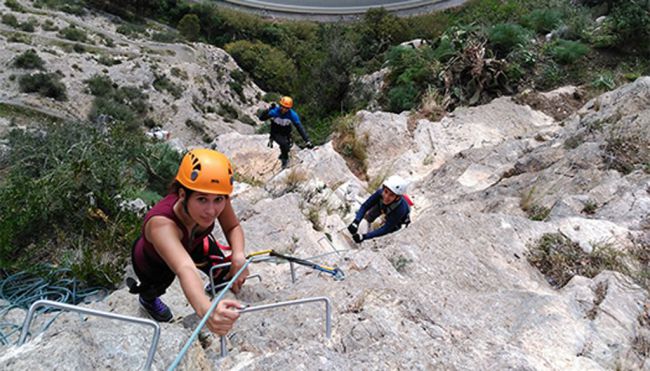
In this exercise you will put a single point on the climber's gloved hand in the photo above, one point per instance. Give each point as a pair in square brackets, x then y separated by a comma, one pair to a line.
[353, 227]
[309, 144]
[270, 144]
[273, 105]
[357, 238]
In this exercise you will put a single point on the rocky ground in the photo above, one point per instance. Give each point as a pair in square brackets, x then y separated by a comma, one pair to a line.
[455, 289]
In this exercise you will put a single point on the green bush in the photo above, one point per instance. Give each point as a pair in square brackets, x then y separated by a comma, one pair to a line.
[123, 104]
[14, 5]
[74, 34]
[190, 27]
[567, 52]
[631, 23]
[10, 20]
[162, 82]
[270, 67]
[28, 26]
[411, 72]
[49, 26]
[505, 37]
[164, 37]
[45, 84]
[29, 60]
[63, 187]
[101, 85]
[131, 29]
[76, 7]
[543, 20]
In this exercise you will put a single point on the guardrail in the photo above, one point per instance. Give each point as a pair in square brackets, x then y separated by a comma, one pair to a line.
[141, 321]
[334, 10]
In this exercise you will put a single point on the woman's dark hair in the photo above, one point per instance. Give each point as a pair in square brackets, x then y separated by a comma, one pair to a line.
[175, 185]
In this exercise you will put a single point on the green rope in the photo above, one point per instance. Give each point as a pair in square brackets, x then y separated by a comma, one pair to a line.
[21, 290]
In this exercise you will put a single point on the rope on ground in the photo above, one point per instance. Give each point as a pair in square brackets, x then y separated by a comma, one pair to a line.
[21, 290]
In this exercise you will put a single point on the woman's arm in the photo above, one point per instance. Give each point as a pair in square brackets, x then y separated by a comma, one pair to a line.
[235, 236]
[166, 239]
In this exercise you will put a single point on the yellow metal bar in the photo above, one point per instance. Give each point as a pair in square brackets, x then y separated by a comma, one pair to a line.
[256, 253]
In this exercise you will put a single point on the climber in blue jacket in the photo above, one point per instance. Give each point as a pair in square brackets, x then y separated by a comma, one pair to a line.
[282, 117]
[390, 201]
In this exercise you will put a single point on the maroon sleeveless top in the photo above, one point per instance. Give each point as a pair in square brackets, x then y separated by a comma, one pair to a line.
[147, 263]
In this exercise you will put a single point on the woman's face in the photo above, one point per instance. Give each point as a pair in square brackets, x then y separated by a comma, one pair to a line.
[204, 208]
[387, 196]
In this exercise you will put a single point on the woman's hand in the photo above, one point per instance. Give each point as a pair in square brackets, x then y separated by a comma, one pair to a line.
[224, 316]
[237, 261]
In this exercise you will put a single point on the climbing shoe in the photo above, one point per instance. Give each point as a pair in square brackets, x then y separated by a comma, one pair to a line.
[157, 309]
[285, 163]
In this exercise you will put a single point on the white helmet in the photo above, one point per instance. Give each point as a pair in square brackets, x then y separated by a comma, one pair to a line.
[396, 184]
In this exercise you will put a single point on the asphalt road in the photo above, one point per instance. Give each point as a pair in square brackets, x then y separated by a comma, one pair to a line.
[339, 7]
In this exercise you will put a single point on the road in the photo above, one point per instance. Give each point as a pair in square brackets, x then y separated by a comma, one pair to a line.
[341, 7]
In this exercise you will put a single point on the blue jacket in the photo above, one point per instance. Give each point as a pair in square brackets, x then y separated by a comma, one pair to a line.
[281, 123]
[396, 214]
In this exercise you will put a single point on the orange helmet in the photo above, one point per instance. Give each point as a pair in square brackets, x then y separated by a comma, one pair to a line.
[206, 170]
[286, 102]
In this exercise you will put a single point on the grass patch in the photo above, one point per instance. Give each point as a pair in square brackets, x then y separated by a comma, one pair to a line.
[627, 153]
[559, 259]
[294, 178]
[533, 210]
[352, 147]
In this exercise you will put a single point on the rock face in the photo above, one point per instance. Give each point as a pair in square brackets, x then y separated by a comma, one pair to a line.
[454, 290]
[192, 88]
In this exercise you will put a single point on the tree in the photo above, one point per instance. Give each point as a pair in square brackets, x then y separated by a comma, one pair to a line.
[190, 27]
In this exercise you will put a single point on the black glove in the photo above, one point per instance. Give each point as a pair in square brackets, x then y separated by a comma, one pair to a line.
[273, 105]
[357, 238]
[270, 142]
[309, 144]
[353, 227]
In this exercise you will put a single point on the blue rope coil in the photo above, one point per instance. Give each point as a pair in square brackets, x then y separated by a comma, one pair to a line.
[21, 290]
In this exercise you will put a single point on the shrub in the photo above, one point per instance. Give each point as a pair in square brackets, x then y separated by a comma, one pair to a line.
[190, 27]
[162, 82]
[28, 26]
[100, 85]
[73, 34]
[29, 60]
[505, 37]
[64, 194]
[45, 84]
[411, 73]
[567, 52]
[14, 5]
[49, 26]
[543, 20]
[10, 20]
[19, 38]
[164, 37]
[604, 82]
[124, 104]
[270, 67]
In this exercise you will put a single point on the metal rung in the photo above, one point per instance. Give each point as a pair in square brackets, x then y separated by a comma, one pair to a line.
[328, 314]
[94, 312]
